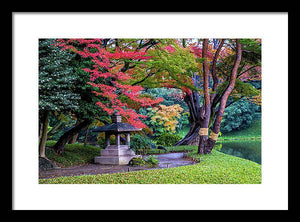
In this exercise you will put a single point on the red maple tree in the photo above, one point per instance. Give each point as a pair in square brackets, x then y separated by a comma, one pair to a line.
[109, 65]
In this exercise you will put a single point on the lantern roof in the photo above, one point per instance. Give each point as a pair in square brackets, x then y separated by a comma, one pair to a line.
[116, 126]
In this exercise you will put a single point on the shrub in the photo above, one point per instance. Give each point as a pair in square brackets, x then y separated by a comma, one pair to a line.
[152, 160]
[168, 139]
[164, 119]
[140, 143]
[50, 143]
[101, 141]
[184, 120]
[137, 161]
[238, 116]
[74, 154]
[171, 96]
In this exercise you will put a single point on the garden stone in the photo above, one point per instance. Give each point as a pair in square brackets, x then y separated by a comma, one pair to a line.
[45, 164]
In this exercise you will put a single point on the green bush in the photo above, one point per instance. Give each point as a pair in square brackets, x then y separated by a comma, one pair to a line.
[74, 154]
[137, 161]
[254, 131]
[152, 160]
[138, 141]
[101, 141]
[170, 96]
[239, 116]
[184, 120]
[50, 143]
[168, 139]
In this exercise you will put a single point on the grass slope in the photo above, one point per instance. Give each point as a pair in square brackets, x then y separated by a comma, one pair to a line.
[74, 154]
[253, 132]
[216, 168]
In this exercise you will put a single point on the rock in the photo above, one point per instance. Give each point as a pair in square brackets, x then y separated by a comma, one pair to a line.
[45, 164]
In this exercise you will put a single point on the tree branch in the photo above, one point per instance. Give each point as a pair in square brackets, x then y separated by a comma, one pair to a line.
[145, 78]
[205, 72]
[213, 70]
[229, 88]
[241, 73]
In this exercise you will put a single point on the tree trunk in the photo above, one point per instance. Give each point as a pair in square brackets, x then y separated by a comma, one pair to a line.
[192, 137]
[213, 71]
[60, 145]
[73, 139]
[205, 109]
[201, 118]
[54, 129]
[86, 135]
[217, 124]
[40, 130]
[42, 147]
[202, 144]
[209, 145]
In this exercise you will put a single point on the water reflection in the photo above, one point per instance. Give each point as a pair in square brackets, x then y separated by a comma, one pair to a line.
[250, 150]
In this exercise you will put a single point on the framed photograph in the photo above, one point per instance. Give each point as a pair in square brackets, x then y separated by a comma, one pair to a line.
[150, 111]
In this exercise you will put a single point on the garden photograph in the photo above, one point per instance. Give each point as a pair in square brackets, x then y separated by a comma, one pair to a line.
[150, 111]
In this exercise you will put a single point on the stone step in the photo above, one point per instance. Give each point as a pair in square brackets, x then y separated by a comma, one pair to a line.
[117, 152]
[112, 147]
[113, 160]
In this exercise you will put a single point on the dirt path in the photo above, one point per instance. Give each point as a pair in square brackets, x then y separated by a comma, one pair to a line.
[165, 161]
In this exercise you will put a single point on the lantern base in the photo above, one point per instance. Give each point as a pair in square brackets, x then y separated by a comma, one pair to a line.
[115, 155]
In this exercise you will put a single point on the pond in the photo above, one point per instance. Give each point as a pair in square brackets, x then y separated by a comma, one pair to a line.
[247, 149]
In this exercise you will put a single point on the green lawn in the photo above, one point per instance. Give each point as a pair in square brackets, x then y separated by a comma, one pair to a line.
[216, 168]
[253, 132]
[74, 154]
[182, 132]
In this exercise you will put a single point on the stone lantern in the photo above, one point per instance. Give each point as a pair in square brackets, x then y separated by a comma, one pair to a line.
[116, 154]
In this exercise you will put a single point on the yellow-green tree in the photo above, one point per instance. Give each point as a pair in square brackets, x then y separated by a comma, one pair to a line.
[164, 119]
